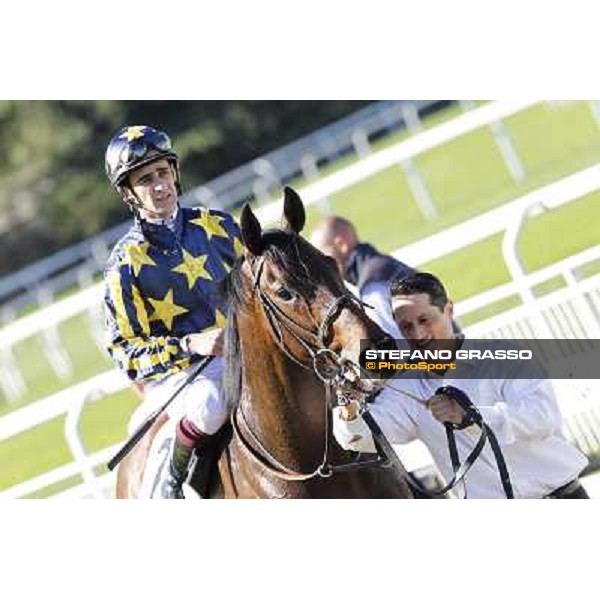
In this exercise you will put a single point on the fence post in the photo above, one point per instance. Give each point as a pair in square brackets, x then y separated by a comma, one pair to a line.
[411, 118]
[75, 443]
[509, 153]
[511, 158]
[592, 327]
[360, 141]
[51, 342]
[267, 179]
[310, 170]
[419, 189]
[517, 273]
[100, 254]
[11, 379]
[94, 315]
[204, 196]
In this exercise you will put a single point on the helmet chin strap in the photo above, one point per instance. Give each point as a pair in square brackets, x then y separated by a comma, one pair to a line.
[135, 205]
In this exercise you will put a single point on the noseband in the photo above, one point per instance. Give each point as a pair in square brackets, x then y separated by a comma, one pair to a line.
[325, 363]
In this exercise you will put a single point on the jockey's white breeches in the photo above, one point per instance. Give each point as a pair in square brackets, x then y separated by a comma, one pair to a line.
[201, 401]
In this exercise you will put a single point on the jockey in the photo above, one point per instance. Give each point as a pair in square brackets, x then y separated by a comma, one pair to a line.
[164, 311]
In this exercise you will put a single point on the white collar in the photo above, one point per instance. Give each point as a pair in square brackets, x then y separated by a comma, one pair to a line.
[168, 222]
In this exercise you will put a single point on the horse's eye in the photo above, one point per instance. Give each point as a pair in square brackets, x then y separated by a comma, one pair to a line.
[284, 293]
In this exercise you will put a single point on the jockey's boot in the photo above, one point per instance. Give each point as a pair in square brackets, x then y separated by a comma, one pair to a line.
[177, 471]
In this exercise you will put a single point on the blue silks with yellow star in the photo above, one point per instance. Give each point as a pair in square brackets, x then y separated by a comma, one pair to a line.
[161, 285]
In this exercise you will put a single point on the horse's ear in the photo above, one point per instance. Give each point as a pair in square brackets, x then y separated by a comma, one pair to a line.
[294, 215]
[251, 231]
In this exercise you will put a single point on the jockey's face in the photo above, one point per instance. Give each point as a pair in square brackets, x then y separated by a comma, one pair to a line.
[152, 190]
[421, 322]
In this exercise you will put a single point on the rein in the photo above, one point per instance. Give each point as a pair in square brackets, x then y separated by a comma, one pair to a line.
[273, 466]
[474, 417]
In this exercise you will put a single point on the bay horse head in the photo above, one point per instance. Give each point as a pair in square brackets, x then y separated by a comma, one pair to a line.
[301, 300]
[294, 336]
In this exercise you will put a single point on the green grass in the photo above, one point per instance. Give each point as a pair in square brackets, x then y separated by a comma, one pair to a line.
[467, 271]
[44, 448]
[563, 139]
[544, 240]
[590, 269]
[561, 232]
[465, 178]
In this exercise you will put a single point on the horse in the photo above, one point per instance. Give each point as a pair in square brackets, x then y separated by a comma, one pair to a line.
[292, 344]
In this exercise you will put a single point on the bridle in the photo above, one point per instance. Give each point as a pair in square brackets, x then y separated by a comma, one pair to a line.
[278, 319]
[333, 370]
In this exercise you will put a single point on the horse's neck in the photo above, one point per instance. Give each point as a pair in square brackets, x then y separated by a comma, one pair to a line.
[283, 403]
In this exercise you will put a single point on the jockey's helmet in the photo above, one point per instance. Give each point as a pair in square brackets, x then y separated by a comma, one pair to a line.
[134, 146]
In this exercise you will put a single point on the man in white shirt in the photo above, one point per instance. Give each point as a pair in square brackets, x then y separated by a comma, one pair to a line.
[522, 413]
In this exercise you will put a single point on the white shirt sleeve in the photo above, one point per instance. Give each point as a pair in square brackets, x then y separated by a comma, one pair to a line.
[527, 411]
[391, 414]
[394, 414]
[377, 294]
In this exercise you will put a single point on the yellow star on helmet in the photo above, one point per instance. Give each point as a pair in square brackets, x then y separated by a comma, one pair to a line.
[133, 133]
[193, 268]
[137, 257]
[211, 224]
[166, 310]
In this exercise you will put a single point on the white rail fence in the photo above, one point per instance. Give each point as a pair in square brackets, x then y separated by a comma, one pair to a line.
[71, 402]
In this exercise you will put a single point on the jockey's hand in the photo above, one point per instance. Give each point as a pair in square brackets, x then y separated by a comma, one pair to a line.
[445, 410]
[207, 343]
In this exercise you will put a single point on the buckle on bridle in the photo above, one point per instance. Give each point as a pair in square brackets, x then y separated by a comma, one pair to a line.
[325, 471]
[326, 365]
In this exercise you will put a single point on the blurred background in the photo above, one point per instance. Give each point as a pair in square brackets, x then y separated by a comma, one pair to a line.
[500, 199]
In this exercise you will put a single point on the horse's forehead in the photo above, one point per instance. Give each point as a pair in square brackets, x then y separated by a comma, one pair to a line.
[297, 260]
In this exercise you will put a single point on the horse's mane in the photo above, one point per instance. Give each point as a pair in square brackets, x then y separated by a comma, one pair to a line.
[304, 270]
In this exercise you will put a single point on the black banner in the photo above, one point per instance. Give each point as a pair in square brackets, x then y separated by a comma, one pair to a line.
[485, 359]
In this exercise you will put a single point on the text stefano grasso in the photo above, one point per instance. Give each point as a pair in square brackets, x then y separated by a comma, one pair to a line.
[471, 354]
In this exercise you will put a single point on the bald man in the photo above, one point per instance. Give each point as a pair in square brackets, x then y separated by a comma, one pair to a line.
[363, 266]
